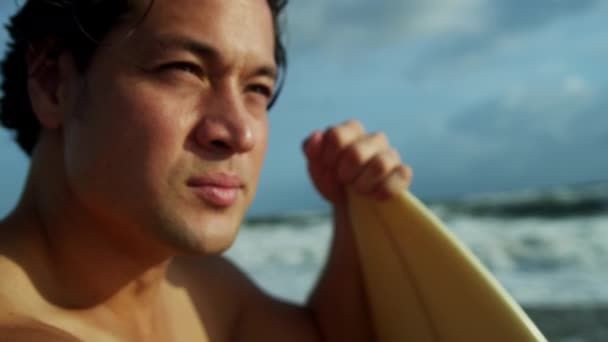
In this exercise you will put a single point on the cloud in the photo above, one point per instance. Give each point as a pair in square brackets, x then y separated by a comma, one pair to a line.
[517, 15]
[346, 24]
[507, 27]
[531, 111]
[538, 135]
[575, 85]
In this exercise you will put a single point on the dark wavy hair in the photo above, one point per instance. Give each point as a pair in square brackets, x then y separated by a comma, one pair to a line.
[76, 26]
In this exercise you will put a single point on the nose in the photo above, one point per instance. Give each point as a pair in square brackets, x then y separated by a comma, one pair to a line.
[225, 127]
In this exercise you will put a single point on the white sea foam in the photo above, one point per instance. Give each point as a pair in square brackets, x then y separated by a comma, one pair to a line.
[543, 260]
[283, 259]
[539, 261]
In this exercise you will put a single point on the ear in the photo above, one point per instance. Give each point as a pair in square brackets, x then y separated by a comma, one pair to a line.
[50, 74]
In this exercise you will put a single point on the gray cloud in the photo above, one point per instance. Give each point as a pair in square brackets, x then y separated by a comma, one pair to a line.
[558, 112]
[545, 137]
[507, 22]
[511, 15]
[343, 23]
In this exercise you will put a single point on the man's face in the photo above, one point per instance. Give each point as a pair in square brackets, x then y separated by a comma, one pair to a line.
[169, 130]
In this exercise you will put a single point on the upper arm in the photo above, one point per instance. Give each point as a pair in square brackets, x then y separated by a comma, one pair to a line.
[260, 317]
[234, 308]
[265, 318]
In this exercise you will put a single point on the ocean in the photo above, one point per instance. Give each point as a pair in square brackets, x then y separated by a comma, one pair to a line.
[548, 248]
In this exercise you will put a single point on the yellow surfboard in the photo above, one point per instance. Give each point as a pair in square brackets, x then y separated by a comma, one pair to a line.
[423, 284]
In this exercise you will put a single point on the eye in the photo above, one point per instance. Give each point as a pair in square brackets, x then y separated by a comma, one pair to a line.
[261, 89]
[186, 67]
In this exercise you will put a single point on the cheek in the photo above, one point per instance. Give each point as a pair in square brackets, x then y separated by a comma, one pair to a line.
[258, 156]
[121, 143]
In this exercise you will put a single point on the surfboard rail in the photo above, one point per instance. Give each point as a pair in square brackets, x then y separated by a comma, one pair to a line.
[423, 284]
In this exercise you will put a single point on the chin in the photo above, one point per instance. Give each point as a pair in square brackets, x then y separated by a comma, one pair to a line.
[216, 239]
[206, 233]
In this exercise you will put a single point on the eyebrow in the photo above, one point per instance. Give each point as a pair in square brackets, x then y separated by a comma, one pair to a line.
[207, 51]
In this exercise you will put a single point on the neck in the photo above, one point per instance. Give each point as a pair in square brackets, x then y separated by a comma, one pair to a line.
[84, 260]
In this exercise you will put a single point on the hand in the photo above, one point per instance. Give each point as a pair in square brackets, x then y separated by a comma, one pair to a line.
[346, 155]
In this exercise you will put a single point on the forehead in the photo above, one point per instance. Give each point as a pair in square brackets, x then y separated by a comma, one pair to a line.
[233, 27]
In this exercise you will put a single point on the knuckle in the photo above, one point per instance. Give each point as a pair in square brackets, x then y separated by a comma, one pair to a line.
[393, 155]
[356, 125]
[405, 172]
[354, 156]
[338, 135]
[380, 137]
[380, 166]
[332, 135]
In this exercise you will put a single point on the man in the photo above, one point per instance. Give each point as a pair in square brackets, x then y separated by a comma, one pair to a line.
[145, 155]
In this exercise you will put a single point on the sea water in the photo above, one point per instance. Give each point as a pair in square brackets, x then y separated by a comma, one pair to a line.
[545, 247]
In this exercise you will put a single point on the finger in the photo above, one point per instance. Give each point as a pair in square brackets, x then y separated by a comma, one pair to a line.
[376, 170]
[395, 183]
[353, 159]
[312, 145]
[337, 138]
[318, 171]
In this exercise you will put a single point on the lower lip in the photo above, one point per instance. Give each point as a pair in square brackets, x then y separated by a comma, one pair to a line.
[217, 196]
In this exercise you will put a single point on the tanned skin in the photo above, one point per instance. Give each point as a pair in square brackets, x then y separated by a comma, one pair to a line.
[145, 167]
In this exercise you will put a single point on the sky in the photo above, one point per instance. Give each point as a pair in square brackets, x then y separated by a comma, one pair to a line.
[477, 95]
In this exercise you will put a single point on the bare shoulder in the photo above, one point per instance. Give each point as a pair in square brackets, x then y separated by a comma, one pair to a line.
[212, 289]
[210, 273]
[212, 281]
[19, 298]
[28, 330]
[18, 294]
[220, 287]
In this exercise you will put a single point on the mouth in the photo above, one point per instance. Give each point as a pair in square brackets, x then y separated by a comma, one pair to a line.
[218, 190]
